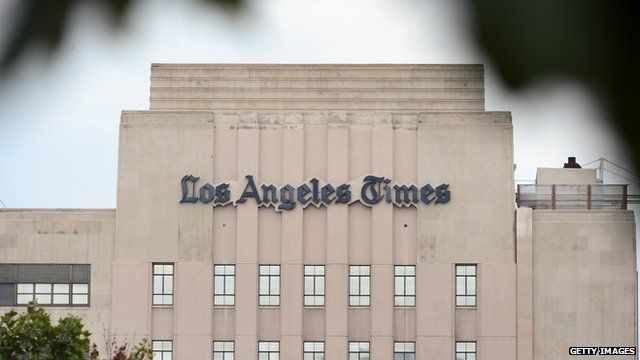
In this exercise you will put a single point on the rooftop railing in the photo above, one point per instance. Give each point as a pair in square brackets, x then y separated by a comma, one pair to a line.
[595, 196]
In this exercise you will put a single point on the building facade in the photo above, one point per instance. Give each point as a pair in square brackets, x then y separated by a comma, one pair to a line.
[331, 212]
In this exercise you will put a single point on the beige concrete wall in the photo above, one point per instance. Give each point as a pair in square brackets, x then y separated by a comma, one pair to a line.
[584, 281]
[553, 176]
[287, 87]
[66, 236]
[475, 227]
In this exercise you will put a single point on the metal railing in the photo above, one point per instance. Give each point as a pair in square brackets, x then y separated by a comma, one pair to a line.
[595, 196]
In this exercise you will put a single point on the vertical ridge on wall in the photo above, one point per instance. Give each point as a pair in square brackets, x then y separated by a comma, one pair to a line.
[382, 252]
[292, 159]
[337, 239]
[360, 221]
[247, 242]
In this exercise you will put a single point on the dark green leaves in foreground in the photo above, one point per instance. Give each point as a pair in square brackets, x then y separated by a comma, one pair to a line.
[32, 336]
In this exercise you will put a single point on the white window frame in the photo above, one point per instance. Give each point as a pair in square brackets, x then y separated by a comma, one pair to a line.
[466, 285]
[269, 285]
[268, 350]
[466, 350]
[50, 294]
[313, 350]
[224, 288]
[404, 350]
[360, 285]
[314, 281]
[223, 350]
[163, 283]
[359, 350]
[404, 285]
[162, 349]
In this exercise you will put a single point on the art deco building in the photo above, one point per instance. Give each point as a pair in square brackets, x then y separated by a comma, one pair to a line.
[331, 212]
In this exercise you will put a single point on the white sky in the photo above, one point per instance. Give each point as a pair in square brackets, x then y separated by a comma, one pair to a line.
[59, 117]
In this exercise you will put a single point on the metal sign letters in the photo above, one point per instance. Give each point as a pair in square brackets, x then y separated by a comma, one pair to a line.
[371, 190]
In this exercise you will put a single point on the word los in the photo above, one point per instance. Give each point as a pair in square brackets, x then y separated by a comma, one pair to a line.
[602, 350]
[371, 190]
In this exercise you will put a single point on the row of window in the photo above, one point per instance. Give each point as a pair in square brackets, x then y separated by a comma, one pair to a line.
[46, 284]
[314, 281]
[312, 350]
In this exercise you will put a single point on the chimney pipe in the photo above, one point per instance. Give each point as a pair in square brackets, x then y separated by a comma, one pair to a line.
[571, 163]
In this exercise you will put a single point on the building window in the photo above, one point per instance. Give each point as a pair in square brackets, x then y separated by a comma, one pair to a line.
[358, 350]
[162, 284]
[405, 286]
[359, 280]
[465, 285]
[465, 350]
[269, 285]
[162, 349]
[223, 350]
[314, 285]
[404, 351]
[268, 350]
[224, 289]
[80, 294]
[46, 284]
[313, 350]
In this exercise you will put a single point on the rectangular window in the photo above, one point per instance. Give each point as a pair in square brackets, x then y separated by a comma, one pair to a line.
[314, 285]
[313, 350]
[80, 294]
[224, 289]
[465, 350]
[405, 286]
[162, 284]
[404, 351]
[46, 284]
[359, 350]
[268, 350]
[223, 350]
[465, 285]
[359, 280]
[269, 285]
[162, 349]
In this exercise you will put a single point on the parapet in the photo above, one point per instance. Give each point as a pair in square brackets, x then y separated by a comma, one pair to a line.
[347, 87]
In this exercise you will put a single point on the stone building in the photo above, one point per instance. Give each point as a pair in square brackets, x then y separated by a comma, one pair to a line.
[331, 211]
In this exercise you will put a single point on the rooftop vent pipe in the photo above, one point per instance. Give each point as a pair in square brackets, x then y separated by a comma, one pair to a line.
[572, 164]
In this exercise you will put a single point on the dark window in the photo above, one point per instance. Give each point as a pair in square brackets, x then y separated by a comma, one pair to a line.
[46, 284]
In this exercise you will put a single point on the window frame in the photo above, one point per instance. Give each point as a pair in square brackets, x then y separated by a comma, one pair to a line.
[270, 277]
[225, 278]
[360, 294]
[315, 278]
[358, 352]
[224, 351]
[405, 279]
[163, 276]
[464, 352]
[403, 352]
[314, 351]
[269, 352]
[14, 281]
[162, 351]
[466, 294]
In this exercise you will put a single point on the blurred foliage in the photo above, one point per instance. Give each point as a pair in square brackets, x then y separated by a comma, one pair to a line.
[32, 336]
[43, 22]
[592, 41]
[595, 42]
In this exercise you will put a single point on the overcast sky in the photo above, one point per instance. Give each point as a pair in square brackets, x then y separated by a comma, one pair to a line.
[59, 116]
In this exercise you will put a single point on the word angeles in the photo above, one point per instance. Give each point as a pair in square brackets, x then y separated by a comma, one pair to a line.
[371, 190]
[602, 350]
